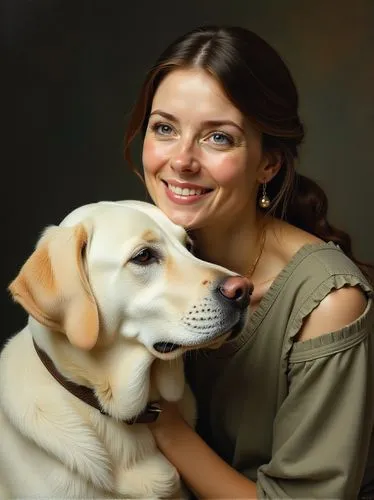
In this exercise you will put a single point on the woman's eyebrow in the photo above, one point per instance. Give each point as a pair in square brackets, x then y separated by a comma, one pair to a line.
[219, 123]
[168, 116]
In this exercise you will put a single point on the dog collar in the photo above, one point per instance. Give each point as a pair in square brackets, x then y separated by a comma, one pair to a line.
[87, 395]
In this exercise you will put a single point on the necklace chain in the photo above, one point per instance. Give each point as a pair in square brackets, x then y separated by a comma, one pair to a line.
[253, 267]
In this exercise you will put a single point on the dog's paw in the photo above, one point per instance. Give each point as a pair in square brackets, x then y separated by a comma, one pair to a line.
[152, 477]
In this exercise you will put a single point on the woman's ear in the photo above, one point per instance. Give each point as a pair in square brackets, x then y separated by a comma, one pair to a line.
[271, 164]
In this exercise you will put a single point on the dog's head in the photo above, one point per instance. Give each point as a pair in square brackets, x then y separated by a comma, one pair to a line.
[124, 269]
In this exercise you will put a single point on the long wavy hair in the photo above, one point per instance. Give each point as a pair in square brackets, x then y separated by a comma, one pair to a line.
[258, 82]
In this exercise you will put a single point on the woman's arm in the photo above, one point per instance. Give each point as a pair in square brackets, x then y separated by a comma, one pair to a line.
[204, 472]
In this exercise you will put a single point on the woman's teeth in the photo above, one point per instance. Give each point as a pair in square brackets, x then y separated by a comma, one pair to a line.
[185, 191]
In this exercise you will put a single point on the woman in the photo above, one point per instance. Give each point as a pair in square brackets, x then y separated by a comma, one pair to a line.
[286, 409]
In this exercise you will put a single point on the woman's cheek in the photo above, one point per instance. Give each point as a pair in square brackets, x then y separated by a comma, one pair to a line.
[154, 155]
[147, 154]
[227, 171]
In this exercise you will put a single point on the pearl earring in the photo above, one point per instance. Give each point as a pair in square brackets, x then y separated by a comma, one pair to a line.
[264, 201]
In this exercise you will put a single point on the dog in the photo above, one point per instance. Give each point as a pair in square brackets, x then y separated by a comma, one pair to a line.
[114, 297]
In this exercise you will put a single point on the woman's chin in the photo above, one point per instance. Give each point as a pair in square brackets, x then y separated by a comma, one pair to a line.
[188, 219]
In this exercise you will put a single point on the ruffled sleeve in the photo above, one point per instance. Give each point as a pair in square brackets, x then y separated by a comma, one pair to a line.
[322, 430]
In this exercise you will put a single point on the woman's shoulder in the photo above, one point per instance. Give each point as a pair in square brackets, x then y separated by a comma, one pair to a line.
[326, 290]
[297, 262]
[309, 270]
[306, 253]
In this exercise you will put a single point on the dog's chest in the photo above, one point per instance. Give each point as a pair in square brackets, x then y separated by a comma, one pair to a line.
[85, 466]
[125, 444]
[53, 444]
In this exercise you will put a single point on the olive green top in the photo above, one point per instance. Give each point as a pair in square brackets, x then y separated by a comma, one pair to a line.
[296, 417]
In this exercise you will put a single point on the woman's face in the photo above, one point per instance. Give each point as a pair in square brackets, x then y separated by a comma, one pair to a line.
[202, 160]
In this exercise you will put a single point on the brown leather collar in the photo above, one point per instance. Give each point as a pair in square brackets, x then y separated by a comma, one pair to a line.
[87, 395]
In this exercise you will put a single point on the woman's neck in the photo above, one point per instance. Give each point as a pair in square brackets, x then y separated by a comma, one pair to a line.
[235, 246]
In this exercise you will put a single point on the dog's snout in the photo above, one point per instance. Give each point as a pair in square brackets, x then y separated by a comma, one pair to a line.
[236, 289]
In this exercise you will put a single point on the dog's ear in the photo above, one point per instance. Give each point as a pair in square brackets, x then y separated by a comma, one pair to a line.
[53, 288]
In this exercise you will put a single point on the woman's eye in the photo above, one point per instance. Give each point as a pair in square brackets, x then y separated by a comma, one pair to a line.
[144, 256]
[221, 139]
[162, 129]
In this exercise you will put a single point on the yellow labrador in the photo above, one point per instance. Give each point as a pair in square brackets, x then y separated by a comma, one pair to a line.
[114, 298]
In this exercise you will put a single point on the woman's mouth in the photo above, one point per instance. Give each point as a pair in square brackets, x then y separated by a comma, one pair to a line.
[185, 195]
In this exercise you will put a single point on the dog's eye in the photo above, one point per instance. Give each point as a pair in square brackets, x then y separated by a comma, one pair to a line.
[145, 256]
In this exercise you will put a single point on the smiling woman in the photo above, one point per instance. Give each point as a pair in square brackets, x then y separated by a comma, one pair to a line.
[221, 127]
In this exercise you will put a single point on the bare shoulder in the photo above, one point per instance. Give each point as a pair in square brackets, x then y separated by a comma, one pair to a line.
[283, 241]
[286, 240]
[337, 310]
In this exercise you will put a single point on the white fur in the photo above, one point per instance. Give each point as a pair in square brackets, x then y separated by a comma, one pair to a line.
[52, 444]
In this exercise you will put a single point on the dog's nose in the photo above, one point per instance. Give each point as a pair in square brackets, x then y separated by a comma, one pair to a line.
[236, 289]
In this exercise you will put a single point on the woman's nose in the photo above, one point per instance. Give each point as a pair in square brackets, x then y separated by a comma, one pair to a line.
[184, 159]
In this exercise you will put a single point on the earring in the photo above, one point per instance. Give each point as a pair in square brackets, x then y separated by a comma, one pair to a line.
[264, 201]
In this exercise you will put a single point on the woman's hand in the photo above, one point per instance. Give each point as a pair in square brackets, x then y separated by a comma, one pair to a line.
[169, 422]
[203, 471]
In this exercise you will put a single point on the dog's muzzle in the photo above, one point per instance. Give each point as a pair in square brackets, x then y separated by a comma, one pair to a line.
[221, 312]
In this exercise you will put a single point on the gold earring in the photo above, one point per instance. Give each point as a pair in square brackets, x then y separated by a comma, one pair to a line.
[264, 201]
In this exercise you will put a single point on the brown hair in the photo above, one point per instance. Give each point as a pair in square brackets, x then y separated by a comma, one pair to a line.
[257, 81]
